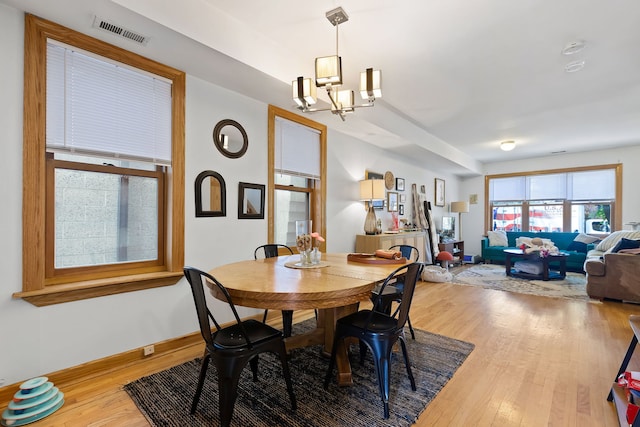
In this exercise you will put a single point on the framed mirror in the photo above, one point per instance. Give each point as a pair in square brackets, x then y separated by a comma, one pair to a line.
[230, 138]
[250, 201]
[211, 194]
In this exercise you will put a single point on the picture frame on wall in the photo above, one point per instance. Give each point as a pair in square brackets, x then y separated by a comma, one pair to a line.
[401, 209]
[439, 192]
[399, 184]
[402, 198]
[250, 201]
[392, 201]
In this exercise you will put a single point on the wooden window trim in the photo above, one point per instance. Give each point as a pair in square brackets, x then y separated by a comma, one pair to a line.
[64, 275]
[616, 206]
[318, 193]
[34, 227]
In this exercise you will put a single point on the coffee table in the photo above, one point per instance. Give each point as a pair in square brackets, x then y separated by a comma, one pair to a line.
[548, 272]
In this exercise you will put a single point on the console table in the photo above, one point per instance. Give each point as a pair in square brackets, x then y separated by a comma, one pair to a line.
[369, 243]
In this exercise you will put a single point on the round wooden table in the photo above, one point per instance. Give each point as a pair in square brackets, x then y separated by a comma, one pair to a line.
[334, 289]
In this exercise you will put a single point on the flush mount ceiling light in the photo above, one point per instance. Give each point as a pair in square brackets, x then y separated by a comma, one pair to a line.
[507, 145]
[329, 76]
[574, 47]
[574, 66]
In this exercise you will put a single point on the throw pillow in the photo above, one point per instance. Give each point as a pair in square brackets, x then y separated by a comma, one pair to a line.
[626, 244]
[577, 247]
[585, 238]
[580, 243]
[612, 239]
[498, 238]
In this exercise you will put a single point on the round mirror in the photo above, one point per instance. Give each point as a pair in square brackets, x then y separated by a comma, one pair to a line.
[230, 138]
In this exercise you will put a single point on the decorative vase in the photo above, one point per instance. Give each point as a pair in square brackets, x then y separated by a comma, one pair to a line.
[304, 241]
[370, 222]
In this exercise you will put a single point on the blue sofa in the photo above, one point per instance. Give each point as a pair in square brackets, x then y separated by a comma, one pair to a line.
[575, 262]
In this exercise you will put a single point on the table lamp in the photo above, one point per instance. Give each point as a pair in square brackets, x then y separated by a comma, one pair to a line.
[370, 190]
[459, 207]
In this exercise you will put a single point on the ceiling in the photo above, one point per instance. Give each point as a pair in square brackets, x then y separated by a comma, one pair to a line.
[459, 77]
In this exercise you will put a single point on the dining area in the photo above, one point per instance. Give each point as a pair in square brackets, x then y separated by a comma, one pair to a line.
[333, 287]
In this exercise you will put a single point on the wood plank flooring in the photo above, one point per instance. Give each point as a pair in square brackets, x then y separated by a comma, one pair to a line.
[538, 362]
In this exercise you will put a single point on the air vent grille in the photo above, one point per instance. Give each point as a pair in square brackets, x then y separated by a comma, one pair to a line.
[119, 30]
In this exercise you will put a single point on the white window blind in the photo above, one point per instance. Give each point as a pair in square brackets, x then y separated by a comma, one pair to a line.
[506, 189]
[547, 187]
[98, 107]
[297, 150]
[592, 185]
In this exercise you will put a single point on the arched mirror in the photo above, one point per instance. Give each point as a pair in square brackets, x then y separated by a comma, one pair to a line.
[211, 194]
[230, 138]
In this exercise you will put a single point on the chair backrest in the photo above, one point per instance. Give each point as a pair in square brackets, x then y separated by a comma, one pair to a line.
[410, 273]
[407, 251]
[270, 250]
[194, 277]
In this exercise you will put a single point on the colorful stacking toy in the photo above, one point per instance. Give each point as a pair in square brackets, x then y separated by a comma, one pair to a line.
[36, 399]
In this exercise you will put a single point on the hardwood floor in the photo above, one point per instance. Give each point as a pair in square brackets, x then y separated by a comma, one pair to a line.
[538, 361]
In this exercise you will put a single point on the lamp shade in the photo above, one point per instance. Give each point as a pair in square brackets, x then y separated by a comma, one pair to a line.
[459, 207]
[304, 91]
[371, 84]
[344, 100]
[328, 70]
[372, 189]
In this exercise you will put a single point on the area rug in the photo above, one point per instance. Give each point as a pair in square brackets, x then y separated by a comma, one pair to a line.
[491, 276]
[165, 397]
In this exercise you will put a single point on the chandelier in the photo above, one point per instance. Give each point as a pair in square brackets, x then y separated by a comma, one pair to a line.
[329, 76]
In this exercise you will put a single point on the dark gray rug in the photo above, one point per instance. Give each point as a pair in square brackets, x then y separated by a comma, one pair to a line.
[165, 397]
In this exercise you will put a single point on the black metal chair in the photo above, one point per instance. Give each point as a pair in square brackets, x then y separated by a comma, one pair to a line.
[379, 332]
[393, 292]
[232, 347]
[271, 250]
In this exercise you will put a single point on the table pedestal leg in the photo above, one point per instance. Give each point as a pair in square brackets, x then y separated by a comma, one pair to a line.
[323, 334]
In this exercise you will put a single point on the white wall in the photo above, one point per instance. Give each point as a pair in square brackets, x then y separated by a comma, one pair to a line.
[39, 340]
[629, 157]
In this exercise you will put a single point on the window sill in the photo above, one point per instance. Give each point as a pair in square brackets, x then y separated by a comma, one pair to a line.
[57, 294]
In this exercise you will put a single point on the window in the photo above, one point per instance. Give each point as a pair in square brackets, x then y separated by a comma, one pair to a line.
[297, 181]
[103, 168]
[582, 200]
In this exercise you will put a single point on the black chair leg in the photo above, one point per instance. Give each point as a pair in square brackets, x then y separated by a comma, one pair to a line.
[253, 363]
[363, 351]
[287, 376]
[227, 394]
[407, 363]
[264, 317]
[413, 334]
[382, 364]
[203, 373]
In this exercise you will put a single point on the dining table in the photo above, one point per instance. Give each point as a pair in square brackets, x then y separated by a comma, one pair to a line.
[334, 287]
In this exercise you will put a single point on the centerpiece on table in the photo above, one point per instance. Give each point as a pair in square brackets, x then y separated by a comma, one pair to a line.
[308, 243]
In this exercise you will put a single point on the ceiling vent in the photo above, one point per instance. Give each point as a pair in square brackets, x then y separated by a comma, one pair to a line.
[119, 31]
